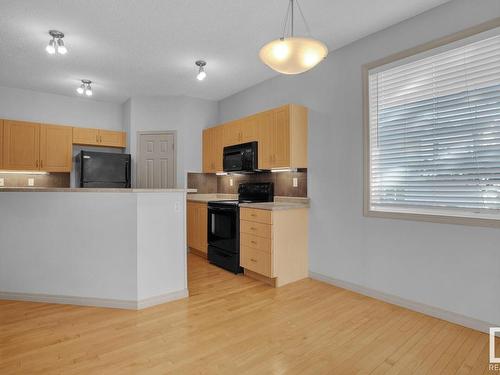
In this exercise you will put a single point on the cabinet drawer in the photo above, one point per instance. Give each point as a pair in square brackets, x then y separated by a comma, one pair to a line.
[256, 261]
[252, 214]
[257, 229]
[256, 242]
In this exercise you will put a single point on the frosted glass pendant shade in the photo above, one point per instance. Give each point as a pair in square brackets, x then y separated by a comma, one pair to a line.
[293, 55]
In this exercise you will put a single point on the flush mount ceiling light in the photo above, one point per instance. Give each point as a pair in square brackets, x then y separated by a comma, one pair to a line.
[56, 44]
[201, 70]
[291, 54]
[85, 88]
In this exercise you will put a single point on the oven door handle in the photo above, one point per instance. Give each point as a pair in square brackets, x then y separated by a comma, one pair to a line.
[216, 209]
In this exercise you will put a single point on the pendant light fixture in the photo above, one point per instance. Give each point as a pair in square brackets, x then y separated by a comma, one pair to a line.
[291, 54]
[85, 88]
[56, 44]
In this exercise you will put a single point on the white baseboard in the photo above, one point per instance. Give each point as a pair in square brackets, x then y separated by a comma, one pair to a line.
[96, 302]
[158, 300]
[436, 312]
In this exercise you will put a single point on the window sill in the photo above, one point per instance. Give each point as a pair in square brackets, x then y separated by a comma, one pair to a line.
[434, 218]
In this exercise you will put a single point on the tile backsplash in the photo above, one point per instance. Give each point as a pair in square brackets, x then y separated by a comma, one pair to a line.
[40, 180]
[283, 182]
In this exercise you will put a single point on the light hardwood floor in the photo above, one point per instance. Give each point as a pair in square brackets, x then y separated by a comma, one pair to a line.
[236, 325]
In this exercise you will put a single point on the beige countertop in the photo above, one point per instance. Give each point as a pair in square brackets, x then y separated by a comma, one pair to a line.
[280, 203]
[91, 190]
[204, 198]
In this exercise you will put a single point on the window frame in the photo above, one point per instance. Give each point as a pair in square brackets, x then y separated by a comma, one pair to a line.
[429, 217]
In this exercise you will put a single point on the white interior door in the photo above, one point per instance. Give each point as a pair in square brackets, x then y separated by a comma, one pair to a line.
[156, 161]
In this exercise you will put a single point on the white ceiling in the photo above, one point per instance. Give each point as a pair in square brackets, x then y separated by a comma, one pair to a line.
[148, 47]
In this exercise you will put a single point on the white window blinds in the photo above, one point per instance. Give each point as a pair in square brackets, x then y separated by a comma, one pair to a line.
[434, 132]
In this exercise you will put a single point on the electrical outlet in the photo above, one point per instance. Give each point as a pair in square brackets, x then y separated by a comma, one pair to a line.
[2, 182]
[230, 182]
[31, 182]
[295, 182]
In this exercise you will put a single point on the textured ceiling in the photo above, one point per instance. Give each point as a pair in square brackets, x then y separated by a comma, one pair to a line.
[149, 47]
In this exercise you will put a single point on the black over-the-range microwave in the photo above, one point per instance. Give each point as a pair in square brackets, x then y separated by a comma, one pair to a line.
[241, 158]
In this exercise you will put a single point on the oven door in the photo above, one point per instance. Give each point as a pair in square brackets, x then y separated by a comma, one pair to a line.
[223, 228]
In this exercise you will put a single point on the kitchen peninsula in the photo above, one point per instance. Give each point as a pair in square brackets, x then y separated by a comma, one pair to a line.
[123, 248]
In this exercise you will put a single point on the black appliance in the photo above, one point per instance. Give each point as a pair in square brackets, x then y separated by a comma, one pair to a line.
[224, 224]
[103, 170]
[240, 158]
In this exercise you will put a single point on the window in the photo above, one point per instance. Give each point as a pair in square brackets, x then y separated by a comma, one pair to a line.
[433, 128]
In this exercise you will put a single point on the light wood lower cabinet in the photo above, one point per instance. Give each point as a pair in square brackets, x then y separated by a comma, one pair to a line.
[273, 244]
[99, 137]
[56, 147]
[197, 229]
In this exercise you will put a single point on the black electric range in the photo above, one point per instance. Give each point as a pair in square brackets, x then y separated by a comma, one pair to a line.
[224, 224]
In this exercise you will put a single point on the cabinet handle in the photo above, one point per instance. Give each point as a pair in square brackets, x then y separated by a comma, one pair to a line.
[253, 228]
[100, 138]
[41, 163]
[253, 260]
[254, 242]
[253, 215]
[36, 163]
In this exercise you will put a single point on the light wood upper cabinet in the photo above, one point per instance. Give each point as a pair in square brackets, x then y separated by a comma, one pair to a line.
[21, 142]
[283, 138]
[241, 131]
[197, 226]
[212, 149]
[99, 137]
[86, 136]
[111, 138]
[56, 148]
[281, 134]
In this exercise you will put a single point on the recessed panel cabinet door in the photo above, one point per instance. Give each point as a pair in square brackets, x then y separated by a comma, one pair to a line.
[212, 149]
[266, 149]
[197, 226]
[56, 148]
[86, 136]
[21, 145]
[112, 138]
[280, 138]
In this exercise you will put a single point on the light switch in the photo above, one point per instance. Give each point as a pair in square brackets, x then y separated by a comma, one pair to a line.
[31, 182]
[295, 182]
[2, 182]
[230, 182]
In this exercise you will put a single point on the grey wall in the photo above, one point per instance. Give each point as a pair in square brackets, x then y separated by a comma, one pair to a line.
[187, 116]
[456, 268]
[17, 104]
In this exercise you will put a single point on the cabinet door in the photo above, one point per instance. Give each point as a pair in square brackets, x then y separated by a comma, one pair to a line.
[86, 136]
[280, 138]
[191, 224]
[231, 133]
[56, 146]
[22, 145]
[266, 150]
[1, 144]
[212, 150]
[249, 129]
[201, 227]
[111, 138]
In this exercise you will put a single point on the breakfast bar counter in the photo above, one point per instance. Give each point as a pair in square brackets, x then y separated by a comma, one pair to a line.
[122, 248]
